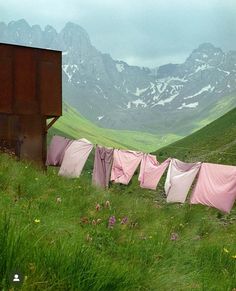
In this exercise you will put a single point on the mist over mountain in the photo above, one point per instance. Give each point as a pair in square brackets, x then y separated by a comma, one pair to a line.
[114, 94]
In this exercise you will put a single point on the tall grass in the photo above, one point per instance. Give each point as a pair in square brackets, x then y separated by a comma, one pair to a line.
[67, 245]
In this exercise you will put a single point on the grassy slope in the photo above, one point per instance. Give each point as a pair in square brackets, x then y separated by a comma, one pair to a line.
[75, 125]
[216, 142]
[67, 251]
[221, 107]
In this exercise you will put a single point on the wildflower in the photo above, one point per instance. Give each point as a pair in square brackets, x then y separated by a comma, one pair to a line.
[88, 237]
[226, 251]
[37, 220]
[124, 220]
[181, 225]
[94, 222]
[150, 236]
[84, 220]
[234, 256]
[107, 204]
[58, 200]
[99, 220]
[174, 236]
[111, 222]
[98, 207]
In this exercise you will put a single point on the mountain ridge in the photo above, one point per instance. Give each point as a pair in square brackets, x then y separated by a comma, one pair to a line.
[113, 94]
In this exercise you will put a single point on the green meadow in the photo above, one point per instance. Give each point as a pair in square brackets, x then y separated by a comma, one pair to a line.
[56, 233]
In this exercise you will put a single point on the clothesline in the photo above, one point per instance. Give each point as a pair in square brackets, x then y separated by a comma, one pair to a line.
[215, 186]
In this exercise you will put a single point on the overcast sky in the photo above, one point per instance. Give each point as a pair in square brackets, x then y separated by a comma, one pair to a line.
[140, 32]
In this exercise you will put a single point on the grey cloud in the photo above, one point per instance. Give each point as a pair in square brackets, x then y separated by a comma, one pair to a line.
[140, 32]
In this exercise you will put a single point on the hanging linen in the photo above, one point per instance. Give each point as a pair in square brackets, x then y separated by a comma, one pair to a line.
[151, 171]
[216, 187]
[56, 150]
[102, 166]
[75, 157]
[180, 177]
[124, 165]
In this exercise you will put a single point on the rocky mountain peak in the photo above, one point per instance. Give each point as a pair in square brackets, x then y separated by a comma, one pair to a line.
[116, 95]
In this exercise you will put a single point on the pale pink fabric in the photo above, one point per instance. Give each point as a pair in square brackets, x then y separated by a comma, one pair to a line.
[180, 177]
[56, 150]
[124, 165]
[216, 187]
[151, 171]
[75, 157]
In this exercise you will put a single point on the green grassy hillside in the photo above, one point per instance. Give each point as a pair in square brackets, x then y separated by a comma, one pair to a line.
[72, 124]
[65, 244]
[52, 233]
[216, 142]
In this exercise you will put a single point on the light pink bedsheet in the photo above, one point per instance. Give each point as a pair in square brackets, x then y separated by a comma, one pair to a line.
[151, 171]
[75, 157]
[124, 165]
[56, 150]
[180, 177]
[216, 187]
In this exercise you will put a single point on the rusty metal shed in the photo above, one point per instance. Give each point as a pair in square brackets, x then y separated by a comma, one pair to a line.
[30, 93]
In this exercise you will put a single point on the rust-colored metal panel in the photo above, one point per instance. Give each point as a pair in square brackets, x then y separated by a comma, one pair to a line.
[6, 84]
[50, 87]
[9, 127]
[31, 129]
[30, 81]
[25, 101]
[30, 92]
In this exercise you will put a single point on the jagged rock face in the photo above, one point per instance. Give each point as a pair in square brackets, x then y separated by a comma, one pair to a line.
[116, 95]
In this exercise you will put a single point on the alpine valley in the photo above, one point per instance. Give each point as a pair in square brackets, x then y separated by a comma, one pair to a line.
[173, 98]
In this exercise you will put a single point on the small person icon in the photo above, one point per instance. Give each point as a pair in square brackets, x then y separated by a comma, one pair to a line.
[16, 278]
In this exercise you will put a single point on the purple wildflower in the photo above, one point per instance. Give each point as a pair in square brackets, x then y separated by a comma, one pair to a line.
[111, 222]
[124, 220]
[174, 236]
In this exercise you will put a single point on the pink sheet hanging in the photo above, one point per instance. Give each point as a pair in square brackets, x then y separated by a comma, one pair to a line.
[124, 165]
[216, 187]
[75, 157]
[180, 177]
[56, 150]
[102, 166]
[151, 171]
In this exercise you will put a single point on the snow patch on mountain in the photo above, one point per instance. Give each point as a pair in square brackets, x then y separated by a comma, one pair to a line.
[137, 102]
[204, 89]
[190, 105]
[167, 100]
[226, 72]
[120, 67]
[203, 67]
[101, 91]
[140, 91]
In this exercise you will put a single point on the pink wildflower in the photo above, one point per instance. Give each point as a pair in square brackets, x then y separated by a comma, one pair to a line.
[111, 222]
